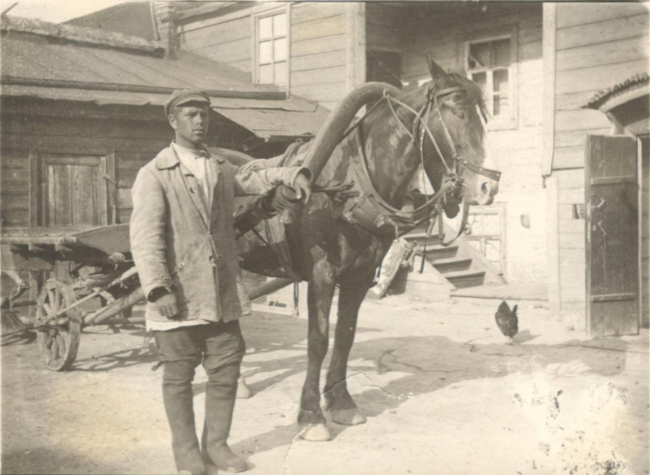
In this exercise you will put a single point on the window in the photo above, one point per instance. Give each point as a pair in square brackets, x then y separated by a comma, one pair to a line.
[492, 64]
[272, 47]
[384, 66]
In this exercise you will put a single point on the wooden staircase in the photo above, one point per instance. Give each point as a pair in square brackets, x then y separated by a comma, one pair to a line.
[460, 264]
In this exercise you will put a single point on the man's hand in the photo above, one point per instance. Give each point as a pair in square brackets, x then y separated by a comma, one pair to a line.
[302, 185]
[165, 302]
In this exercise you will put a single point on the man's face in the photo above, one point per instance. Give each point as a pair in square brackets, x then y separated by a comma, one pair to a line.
[190, 121]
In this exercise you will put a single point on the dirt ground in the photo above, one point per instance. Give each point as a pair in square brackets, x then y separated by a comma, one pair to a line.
[442, 393]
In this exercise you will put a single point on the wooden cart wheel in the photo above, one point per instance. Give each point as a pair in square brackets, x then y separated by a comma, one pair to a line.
[58, 341]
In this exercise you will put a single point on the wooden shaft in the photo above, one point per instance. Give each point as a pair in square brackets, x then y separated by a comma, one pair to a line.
[116, 307]
[268, 288]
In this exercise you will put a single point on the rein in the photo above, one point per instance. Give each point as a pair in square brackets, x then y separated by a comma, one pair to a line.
[452, 180]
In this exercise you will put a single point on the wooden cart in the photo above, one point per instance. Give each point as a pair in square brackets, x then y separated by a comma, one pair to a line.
[94, 282]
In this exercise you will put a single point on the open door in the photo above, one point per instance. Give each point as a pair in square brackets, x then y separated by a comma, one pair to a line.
[611, 187]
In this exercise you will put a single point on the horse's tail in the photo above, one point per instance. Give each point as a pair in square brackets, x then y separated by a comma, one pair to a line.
[332, 132]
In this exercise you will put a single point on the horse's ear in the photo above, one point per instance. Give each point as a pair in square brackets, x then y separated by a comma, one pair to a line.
[436, 71]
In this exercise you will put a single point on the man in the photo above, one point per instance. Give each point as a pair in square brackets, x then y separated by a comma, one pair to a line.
[184, 248]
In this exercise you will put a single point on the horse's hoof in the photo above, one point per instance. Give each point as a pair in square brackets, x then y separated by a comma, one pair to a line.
[347, 417]
[306, 417]
[315, 433]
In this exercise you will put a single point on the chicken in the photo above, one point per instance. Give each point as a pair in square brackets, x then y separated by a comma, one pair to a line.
[507, 321]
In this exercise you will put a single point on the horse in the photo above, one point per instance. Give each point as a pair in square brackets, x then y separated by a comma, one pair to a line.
[337, 242]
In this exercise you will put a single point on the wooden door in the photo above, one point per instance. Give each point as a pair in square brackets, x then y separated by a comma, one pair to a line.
[74, 194]
[612, 235]
[74, 191]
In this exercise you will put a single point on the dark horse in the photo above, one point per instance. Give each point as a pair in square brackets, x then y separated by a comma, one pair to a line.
[329, 250]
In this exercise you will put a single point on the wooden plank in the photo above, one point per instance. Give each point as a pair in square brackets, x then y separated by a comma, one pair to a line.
[572, 196]
[612, 52]
[565, 211]
[572, 241]
[603, 32]
[573, 100]
[356, 47]
[583, 119]
[318, 45]
[572, 226]
[573, 14]
[317, 61]
[322, 92]
[384, 36]
[14, 180]
[552, 251]
[335, 25]
[229, 29]
[14, 202]
[34, 188]
[124, 198]
[85, 127]
[548, 92]
[126, 178]
[571, 179]
[222, 18]
[578, 137]
[318, 76]
[313, 11]
[613, 234]
[598, 77]
[15, 218]
[111, 184]
[83, 145]
[232, 51]
[124, 215]
[244, 65]
[569, 157]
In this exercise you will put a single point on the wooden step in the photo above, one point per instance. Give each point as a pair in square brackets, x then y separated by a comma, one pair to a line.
[466, 278]
[436, 252]
[452, 264]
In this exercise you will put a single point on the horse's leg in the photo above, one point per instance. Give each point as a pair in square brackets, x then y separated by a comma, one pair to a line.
[319, 299]
[340, 404]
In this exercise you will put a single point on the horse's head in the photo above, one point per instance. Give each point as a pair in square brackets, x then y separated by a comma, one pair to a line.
[456, 122]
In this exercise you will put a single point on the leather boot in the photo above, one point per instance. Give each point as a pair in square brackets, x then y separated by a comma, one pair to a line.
[220, 394]
[178, 399]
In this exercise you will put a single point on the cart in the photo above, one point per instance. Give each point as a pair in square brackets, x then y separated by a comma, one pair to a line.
[95, 282]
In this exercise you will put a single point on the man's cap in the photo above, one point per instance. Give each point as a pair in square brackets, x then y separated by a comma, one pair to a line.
[183, 96]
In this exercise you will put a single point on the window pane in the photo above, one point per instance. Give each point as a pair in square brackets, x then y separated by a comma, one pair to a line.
[265, 28]
[265, 75]
[479, 55]
[481, 80]
[501, 105]
[265, 54]
[280, 73]
[501, 80]
[501, 49]
[280, 25]
[280, 50]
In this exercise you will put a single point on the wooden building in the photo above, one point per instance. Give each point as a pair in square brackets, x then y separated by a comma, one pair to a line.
[539, 65]
[81, 112]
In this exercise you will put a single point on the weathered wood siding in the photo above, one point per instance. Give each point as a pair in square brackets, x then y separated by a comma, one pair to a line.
[225, 39]
[597, 46]
[319, 51]
[387, 27]
[134, 137]
[517, 150]
[645, 235]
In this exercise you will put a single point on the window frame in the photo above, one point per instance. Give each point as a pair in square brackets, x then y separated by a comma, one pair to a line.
[262, 13]
[510, 121]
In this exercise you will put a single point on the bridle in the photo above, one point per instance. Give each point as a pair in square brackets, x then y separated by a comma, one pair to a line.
[452, 181]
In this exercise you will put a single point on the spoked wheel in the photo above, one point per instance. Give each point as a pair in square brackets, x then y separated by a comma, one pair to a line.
[58, 338]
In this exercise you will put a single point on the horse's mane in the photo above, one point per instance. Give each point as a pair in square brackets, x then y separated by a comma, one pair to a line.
[473, 93]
